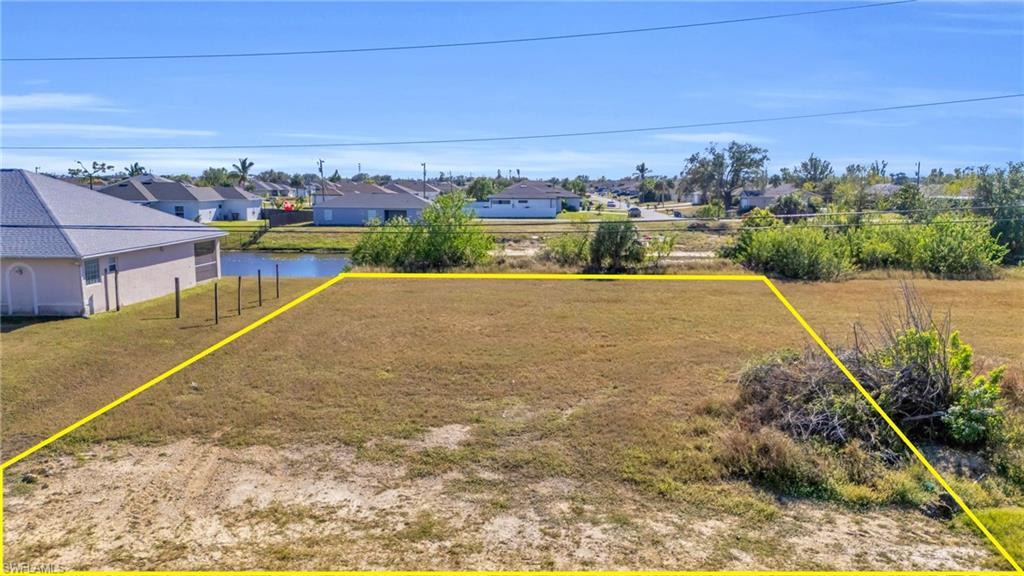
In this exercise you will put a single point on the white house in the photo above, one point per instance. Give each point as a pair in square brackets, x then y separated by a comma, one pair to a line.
[526, 200]
[66, 250]
[195, 203]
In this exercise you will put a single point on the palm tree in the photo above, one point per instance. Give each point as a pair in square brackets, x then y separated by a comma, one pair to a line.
[135, 169]
[243, 168]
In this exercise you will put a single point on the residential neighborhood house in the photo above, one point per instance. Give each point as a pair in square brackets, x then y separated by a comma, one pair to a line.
[751, 198]
[70, 251]
[195, 203]
[527, 200]
[416, 187]
[361, 203]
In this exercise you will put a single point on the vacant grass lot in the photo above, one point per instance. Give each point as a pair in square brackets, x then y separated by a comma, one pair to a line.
[503, 424]
[58, 371]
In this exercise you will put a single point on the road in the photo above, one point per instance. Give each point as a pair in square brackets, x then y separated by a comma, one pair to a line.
[646, 214]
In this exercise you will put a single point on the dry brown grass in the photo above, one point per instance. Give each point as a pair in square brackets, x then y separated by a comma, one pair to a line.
[622, 389]
[58, 371]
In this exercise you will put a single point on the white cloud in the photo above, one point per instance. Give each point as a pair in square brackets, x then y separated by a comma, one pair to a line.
[54, 101]
[95, 131]
[708, 137]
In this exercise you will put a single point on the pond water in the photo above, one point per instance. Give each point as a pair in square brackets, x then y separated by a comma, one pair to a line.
[291, 264]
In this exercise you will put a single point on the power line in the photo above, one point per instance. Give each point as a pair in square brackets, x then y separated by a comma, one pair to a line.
[536, 136]
[455, 44]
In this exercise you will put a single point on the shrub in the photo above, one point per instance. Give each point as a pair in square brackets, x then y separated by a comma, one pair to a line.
[445, 237]
[570, 249]
[959, 245]
[615, 245]
[884, 246]
[659, 248]
[796, 251]
[713, 209]
[975, 416]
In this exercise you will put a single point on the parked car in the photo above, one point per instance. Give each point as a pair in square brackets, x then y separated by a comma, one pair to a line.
[612, 204]
[634, 212]
[677, 214]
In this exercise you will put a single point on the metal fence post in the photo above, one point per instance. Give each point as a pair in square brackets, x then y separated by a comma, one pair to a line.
[259, 285]
[239, 295]
[177, 297]
[277, 280]
[117, 292]
[216, 305]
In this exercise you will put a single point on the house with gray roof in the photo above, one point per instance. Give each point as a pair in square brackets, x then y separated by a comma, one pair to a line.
[66, 250]
[362, 203]
[415, 187]
[751, 198]
[526, 200]
[195, 203]
[271, 189]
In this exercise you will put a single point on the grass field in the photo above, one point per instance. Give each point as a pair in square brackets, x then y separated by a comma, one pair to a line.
[309, 238]
[447, 423]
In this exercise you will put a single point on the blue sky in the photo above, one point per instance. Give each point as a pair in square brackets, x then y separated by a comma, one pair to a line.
[903, 54]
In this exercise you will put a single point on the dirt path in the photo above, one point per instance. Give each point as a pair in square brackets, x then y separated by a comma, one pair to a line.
[192, 506]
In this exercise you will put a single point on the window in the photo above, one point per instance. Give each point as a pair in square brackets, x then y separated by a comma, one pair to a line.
[179, 211]
[92, 271]
[112, 264]
[524, 201]
[328, 214]
[501, 201]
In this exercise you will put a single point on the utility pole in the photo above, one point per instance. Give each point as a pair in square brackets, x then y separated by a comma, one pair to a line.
[320, 168]
[918, 175]
[424, 164]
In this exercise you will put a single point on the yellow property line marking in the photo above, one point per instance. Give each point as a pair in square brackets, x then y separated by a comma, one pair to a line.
[881, 412]
[535, 573]
[511, 276]
[153, 382]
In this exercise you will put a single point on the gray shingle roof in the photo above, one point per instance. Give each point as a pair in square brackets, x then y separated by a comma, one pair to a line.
[235, 193]
[533, 191]
[154, 188]
[42, 217]
[386, 200]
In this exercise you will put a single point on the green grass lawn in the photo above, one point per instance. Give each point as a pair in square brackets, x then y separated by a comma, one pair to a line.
[238, 232]
[591, 215]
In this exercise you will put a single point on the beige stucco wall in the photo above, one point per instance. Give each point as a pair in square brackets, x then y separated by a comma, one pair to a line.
[56, 287]
[142, 275]
[53, 285]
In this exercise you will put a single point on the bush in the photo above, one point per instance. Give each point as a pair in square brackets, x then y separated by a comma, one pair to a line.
[713, 209]
[797, 251]
[975, 416]
[615, 245]
[959, 245]
[951, 245]
[445, 237]
[883, 246]
[568, 249]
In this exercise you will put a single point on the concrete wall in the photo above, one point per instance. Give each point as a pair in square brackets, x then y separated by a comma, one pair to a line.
[544, 208]
[41, 287]
[354, 216]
